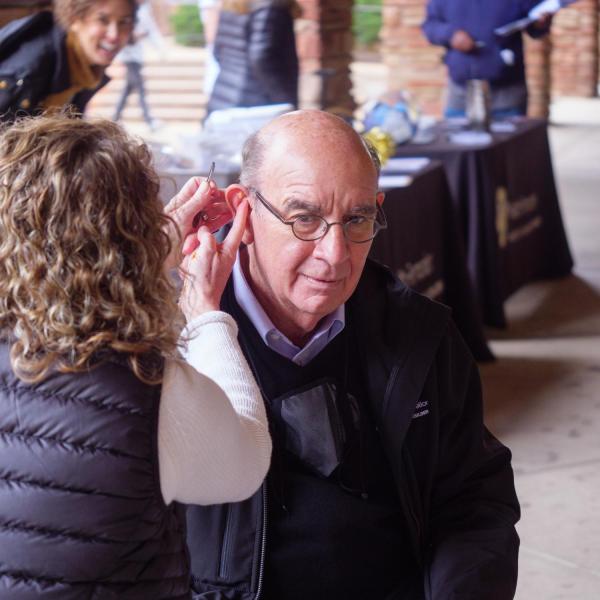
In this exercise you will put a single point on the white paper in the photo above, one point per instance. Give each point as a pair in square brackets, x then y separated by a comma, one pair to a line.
[547, 6]
[405, 164]
[394, 181]
[470, 138]
[502, 127]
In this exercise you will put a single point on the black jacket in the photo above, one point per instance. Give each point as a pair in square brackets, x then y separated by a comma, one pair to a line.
[454, 479]
[256, 52]
[33, 65]
[81, 510]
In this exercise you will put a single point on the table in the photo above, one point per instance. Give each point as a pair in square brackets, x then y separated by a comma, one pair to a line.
[505, 198]
[423, 247]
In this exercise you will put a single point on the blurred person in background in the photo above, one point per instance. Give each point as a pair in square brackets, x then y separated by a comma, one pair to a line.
[255, 47]
[104, 424]
[209, 16]
[132, 56]
[50, 60]
[473, 51]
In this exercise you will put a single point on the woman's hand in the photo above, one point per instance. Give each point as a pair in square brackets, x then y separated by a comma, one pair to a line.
[206, 270]
[197, 195]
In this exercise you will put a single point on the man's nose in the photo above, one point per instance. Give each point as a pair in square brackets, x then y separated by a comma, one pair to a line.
[333, 246]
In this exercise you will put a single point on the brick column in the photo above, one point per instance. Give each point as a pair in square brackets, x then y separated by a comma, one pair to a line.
[324, 44]
[537, 64]
[575, 51]
[414, 65]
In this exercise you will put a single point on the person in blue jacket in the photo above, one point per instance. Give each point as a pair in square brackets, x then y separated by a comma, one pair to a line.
[466, 29]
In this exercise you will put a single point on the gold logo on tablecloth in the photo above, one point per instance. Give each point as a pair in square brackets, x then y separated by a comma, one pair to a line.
[502, 215]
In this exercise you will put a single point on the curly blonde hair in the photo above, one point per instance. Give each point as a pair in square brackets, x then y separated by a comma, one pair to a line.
[82, 248]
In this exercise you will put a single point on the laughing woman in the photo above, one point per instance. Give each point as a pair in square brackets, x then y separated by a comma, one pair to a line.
[51, 60]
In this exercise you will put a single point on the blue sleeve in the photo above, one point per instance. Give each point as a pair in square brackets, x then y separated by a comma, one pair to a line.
[435, 27]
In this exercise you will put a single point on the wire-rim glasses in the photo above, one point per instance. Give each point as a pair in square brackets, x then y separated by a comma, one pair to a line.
[309, 227]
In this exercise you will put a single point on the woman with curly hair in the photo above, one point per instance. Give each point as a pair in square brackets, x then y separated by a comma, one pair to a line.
[110, 412]
[54, 59]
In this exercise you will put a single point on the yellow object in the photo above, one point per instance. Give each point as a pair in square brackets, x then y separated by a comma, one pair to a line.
[382, 142]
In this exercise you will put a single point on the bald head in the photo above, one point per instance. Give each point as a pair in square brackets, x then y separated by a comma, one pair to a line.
[317, 134]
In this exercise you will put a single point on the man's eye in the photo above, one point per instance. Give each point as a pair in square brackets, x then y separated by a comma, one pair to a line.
[358, 220]
[307, 219]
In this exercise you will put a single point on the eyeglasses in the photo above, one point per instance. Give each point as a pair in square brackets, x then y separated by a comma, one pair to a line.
[309, 227]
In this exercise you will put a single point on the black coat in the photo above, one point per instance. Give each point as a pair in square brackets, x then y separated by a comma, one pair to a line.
[33, 65]
[81, 510]
[256, 52]
[453, 478]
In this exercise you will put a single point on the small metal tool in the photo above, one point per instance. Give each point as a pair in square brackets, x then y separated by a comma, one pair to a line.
[203, 215]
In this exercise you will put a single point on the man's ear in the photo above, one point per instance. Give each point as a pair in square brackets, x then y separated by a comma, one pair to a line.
[234, 195]
[380, 198]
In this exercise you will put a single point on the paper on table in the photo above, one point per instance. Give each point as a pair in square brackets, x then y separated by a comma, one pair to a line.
[470, 138]
[406, 164]
[394, 181]
[502, 127]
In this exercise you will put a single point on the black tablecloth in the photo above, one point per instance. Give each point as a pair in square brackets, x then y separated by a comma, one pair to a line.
[506, 201]
[423, 247]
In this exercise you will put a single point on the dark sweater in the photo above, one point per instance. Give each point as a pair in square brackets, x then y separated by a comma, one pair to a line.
[349, 520]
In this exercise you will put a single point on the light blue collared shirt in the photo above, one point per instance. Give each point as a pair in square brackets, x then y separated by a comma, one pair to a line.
[328, 328]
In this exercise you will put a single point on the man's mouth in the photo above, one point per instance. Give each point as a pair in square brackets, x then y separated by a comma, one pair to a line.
[324, 281]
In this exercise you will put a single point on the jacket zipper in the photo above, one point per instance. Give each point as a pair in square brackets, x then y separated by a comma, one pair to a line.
[263, 549]
[224, 562]
[401, 491]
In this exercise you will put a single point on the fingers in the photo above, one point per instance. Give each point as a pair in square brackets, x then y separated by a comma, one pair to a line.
[196, 195]
[234, 238]
[185, 193]
[189, 244]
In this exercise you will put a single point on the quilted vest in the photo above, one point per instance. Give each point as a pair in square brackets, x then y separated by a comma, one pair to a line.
[81, 512]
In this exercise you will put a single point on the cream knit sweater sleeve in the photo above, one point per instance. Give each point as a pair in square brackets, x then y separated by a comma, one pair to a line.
[213, 437]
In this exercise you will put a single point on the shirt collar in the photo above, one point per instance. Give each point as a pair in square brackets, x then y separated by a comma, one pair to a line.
[330, 326]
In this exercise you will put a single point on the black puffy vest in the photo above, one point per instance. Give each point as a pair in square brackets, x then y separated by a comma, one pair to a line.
[81, 511]
[257, 57]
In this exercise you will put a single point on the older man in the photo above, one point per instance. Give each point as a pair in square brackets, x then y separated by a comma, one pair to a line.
[384, 482]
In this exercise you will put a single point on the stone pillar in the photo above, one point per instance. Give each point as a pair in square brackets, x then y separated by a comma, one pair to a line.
[324, 44]
[575, 50]
[537, 64]
[414, 65]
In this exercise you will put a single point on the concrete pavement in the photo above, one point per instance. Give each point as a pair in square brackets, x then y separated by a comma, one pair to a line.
[543, 392]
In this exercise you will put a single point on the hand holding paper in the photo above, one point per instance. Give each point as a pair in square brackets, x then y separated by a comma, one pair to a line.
[547, 7]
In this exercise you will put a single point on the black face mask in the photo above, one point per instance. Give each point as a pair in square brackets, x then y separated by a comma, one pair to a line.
[315, 429]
